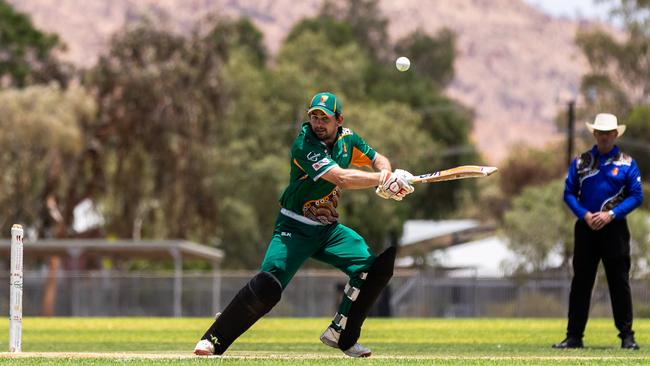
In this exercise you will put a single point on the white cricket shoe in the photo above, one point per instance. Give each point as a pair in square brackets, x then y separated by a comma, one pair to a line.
[204, 348]
[330, 337]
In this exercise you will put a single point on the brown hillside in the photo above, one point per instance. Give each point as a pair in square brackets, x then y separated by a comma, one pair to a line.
[513, 60]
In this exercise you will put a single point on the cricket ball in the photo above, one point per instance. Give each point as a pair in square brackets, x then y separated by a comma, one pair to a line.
[402, 63]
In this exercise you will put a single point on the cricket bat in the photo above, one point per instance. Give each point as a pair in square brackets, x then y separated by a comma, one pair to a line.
[459, 172]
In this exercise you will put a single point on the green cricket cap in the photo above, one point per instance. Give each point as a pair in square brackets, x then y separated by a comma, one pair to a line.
[326, 102]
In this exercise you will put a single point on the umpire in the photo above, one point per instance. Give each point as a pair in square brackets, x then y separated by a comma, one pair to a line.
[602, 187]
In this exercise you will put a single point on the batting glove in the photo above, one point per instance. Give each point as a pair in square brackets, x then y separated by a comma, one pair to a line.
[394, 185]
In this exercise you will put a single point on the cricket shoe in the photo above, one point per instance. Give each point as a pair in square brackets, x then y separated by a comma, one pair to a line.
[204, 348]
[330, 337]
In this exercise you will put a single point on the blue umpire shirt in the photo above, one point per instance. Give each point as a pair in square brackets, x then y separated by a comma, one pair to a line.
[603, 182]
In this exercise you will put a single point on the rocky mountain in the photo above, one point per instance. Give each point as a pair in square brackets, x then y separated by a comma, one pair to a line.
[514, 65]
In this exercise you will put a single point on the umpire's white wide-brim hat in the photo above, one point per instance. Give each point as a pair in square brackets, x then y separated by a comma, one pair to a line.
[606, 122]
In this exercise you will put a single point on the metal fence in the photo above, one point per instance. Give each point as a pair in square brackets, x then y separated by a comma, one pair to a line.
[310, 294]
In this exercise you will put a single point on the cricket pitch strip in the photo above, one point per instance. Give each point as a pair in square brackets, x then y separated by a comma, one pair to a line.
[291, 356]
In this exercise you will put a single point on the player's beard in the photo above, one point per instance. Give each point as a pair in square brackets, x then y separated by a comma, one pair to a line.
[322, 134]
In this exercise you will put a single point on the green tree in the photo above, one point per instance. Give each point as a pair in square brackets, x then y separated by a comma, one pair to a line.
[366, 21]
[27, 55]
[152, 98]
[337, 32]
[228, 35]
[255, 159]
[190, 118]
[619, 78]
[539, 224]
[432, 57]
[43, 149]
[526, 166]
[323, 66]
[49, 165]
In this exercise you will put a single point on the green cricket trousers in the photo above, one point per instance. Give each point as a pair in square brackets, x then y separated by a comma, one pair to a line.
[335, 244]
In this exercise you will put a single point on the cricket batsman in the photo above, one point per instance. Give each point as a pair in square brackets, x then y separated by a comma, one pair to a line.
[307, 226]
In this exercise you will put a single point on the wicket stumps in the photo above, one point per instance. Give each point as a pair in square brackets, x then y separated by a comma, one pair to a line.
[16, 290]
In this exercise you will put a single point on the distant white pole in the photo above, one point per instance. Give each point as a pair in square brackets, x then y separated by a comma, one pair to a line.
[16, 290]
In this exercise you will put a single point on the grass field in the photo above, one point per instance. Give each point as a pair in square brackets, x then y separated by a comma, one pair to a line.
[291, 341]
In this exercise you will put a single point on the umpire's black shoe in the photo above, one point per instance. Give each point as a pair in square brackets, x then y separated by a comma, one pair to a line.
[569, 342]
[628, 342]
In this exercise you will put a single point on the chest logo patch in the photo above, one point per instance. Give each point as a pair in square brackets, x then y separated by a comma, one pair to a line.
[615, 171]
[312, 156]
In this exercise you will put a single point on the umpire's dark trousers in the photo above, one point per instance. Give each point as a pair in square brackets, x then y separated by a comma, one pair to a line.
[612, 245]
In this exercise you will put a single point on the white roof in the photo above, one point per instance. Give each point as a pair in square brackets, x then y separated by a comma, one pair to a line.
[482, 257]
[418, 230]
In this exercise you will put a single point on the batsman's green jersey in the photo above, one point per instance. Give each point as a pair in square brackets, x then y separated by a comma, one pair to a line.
[311, 158]
[297, 237]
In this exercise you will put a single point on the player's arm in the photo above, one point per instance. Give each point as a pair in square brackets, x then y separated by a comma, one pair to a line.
[358, 179]
[381, 163]
[394, 185]
[571, 188]
[352, 178]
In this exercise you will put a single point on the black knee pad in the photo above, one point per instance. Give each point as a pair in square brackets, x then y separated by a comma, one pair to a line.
[252, 302]
[379, 274]
[262, 292]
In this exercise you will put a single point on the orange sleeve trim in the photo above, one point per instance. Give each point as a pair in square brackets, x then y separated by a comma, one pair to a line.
[359, 158]
[298, 165]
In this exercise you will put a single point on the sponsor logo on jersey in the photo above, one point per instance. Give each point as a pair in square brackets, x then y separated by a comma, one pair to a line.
[284, 233]
[312, 156]
[622, 159]
[319, 164]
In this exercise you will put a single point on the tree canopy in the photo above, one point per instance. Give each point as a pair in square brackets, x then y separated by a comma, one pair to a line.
[619, 67]
[27, 55]
[539, 225]
[42, 141]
